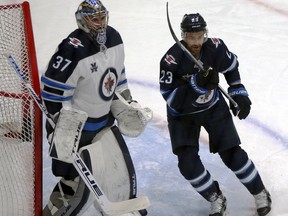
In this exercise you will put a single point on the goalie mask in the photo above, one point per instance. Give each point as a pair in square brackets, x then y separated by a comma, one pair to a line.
[92, 17]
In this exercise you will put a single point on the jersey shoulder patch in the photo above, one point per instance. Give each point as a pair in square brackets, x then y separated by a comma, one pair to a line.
[169, 59]
[75, 42]
[216, 41]
[173, 55]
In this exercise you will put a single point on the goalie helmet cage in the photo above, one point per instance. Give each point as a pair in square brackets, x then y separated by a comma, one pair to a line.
[20, 117]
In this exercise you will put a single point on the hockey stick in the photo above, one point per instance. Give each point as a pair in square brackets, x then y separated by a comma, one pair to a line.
[107, 207]
[193, 59]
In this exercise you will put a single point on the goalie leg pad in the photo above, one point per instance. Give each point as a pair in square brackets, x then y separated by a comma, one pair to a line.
[67, 198]
[113, 169]
[108, 166]
[109, 161]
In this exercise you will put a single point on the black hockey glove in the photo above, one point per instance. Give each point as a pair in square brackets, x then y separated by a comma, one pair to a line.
[204, 81]
[240, 95]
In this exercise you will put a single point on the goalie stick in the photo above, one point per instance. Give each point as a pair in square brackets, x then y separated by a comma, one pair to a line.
[107, 207]
[193, 59]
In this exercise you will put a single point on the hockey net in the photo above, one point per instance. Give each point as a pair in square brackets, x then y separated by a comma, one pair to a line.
[20, 118]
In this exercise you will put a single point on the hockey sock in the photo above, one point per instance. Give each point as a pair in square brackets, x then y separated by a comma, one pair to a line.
[237, 160]
[204, 185]
[250, 178]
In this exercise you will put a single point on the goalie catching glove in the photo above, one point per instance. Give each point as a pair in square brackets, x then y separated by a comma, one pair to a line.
[131, 117]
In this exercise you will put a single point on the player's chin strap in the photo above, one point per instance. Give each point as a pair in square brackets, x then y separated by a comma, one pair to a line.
[131, 117]
[194, 60]
[107, 207]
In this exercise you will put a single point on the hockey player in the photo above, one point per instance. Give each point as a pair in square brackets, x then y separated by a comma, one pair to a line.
[193, 100]
[84, 73]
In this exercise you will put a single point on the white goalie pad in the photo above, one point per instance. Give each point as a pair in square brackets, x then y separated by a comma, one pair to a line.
[108, 166]
[131, 118]
[67, 134]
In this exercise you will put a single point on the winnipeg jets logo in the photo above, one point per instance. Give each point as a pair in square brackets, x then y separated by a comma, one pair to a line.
[108, 84]
[202, 99]
[170, 59]
[216, 41]
[75, 42]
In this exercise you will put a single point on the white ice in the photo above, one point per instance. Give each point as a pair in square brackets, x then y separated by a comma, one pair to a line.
[255, 30]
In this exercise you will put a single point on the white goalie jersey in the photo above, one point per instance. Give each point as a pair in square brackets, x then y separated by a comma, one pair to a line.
[79, 75]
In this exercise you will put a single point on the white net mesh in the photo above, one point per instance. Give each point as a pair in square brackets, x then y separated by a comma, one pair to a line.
[16, 119]
[16, 181]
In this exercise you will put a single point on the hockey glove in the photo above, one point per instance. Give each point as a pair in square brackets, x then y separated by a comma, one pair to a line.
[131, 117]
[204, 81]
[240, 95]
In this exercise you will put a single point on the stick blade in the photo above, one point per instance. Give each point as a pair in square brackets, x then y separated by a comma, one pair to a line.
[122, 207]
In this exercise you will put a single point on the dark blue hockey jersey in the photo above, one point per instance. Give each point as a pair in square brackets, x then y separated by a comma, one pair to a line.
[176, 70]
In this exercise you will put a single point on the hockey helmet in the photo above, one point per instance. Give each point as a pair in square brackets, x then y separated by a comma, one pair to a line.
[92, 17]
[193, 23]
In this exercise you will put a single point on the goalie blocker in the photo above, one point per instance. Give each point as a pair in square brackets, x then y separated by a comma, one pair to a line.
[65, 138]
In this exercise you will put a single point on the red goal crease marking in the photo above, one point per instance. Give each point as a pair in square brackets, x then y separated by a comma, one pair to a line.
[270, 7]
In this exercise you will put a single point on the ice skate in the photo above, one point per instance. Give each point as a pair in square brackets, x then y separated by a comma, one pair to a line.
[263, 202]
[218, 204]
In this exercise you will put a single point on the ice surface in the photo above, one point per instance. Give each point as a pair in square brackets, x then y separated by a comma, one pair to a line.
[255, 30]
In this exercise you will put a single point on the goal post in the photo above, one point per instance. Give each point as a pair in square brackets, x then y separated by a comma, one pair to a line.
[20, 117]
